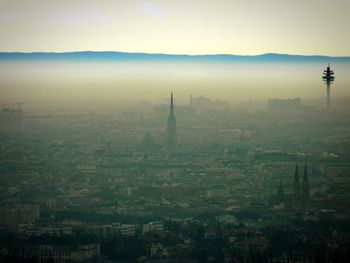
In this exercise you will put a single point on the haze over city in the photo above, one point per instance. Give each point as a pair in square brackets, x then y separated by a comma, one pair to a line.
[174, 131]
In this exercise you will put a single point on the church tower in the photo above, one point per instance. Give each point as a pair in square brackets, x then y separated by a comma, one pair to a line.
[305, 187]
[280, 194]
[296, 188]
[171, 128]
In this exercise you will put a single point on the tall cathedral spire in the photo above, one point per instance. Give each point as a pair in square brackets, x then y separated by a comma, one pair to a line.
[296, 187]
[171, 105]
[171, 128]
[305, 188]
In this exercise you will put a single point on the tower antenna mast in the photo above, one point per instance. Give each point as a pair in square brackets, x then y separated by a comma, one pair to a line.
[328, 78]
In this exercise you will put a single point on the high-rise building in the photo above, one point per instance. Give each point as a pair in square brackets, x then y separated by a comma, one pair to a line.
[296, 188]
[171, 128]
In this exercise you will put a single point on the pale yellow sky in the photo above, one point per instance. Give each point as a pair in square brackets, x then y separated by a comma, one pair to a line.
[247, 27]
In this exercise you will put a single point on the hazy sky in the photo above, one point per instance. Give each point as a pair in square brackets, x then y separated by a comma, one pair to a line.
[177, 26]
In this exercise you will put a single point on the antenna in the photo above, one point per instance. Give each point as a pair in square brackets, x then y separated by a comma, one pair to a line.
[328, 78]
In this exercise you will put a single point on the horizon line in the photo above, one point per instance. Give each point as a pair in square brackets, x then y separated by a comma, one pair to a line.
[171, 54]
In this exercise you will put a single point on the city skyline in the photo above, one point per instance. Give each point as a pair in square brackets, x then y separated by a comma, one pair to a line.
[174, 131]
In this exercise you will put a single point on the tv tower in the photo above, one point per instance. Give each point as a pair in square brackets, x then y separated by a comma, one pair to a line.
[328, 78]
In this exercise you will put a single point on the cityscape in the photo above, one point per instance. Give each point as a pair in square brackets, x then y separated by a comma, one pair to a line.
[159, 154]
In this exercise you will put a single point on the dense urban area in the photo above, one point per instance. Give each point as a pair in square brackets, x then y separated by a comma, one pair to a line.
[197, 182]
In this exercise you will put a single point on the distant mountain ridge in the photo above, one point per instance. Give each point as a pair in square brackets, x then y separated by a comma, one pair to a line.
[114, 56]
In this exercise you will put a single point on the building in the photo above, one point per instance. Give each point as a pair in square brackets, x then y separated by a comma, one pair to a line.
[39, 230]
[301, 190]
[152, 226]
[204, 104]
[280, 194]
[61, 253]
[305, 188]
[171, 128]
[12, 217]
[286, 105]
[296, 188]
[11, 120]
[124, 229]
